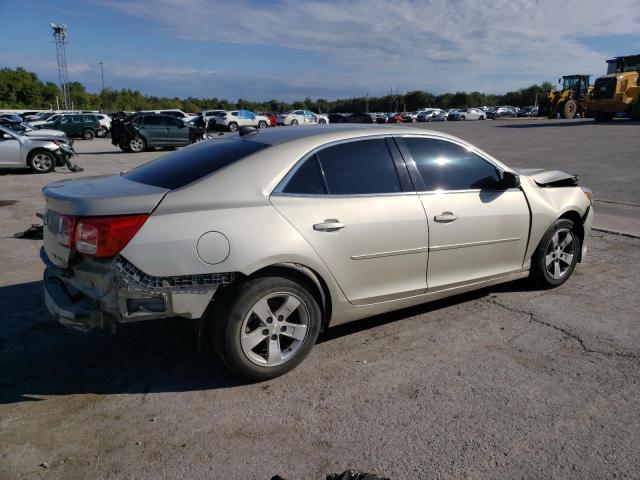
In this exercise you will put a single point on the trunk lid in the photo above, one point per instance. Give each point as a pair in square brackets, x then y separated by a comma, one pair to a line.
[91, 197]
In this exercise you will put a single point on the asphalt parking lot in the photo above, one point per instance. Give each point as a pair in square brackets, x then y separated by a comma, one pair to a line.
[508, 382]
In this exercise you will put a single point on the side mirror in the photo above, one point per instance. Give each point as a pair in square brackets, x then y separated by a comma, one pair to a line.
[6, 136]
[510, 180]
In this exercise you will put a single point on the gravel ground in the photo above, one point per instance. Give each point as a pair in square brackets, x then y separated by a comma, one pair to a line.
[508, 382]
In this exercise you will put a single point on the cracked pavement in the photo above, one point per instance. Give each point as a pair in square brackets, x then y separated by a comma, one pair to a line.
[507, 382]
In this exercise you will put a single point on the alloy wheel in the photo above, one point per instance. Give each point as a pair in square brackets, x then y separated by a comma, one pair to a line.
[275, 328]
[136, 144]
[560, 253]
[41, 162]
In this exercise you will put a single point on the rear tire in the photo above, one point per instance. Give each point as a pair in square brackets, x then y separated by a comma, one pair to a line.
[41, 161]
[556, 256]
[322, 121]
[262, 124]
[569, 109]
[88, 134]
[294, 122]
[137, 145]
[233, 126]
[273, 341]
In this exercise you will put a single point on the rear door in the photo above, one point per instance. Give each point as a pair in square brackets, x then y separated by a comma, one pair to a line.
[353, 203]
[477, 229]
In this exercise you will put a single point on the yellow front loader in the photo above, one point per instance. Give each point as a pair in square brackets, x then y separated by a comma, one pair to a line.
[571, 100]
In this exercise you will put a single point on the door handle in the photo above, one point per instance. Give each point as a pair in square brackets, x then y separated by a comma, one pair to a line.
[445, 217]
[329, 225]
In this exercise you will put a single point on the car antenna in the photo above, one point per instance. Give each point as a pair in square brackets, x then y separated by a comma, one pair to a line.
[247, 130]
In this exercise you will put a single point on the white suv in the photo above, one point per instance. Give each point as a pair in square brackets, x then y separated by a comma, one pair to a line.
[240, 118]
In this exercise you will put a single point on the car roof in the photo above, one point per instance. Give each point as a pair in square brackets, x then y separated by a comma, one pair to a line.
[277, 136]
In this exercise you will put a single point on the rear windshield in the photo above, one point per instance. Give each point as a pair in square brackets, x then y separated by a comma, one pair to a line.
[187, 165]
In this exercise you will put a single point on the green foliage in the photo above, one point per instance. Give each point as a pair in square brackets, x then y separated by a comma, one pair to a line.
[22, 89]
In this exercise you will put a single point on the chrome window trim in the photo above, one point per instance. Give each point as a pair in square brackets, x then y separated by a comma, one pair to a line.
[285, 180]
[474, 190]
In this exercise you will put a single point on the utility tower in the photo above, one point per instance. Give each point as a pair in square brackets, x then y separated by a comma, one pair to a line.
[60, 39]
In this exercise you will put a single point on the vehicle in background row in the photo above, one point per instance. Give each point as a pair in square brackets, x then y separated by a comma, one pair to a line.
[271, 236]
[571, 100]
[39, 153]
[360, 117]
[439, 116]
[272, 116]
[302, 117]
[76, 125]
[235, 119]
[396, 117]
[50, 119]
[467, 114]
[140, 131]
[105, 124]
[528, 112]
[173, 112]
[24, 129]
[502, 112]
[337, 118]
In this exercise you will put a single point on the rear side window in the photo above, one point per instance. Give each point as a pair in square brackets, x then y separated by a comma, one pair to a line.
[449, 166]
[189, 164]
[307, 180]
[173, 122]
[359, 168]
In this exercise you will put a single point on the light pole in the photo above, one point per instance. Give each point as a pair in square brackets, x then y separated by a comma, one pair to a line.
[367, 103]
[102, 73]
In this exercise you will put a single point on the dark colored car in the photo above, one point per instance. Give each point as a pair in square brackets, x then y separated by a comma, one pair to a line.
[271, 116]
[360, 117]
[75, 125]
[502, 112]
[140, 131]
[396, 117]
[337, 118]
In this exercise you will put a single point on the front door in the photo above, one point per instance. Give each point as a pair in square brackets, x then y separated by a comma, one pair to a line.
[366, 224]
[177, 131]
[154, 130]
[9, 149]
[477, 230]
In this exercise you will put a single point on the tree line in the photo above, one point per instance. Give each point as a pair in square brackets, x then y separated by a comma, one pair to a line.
[21, 89]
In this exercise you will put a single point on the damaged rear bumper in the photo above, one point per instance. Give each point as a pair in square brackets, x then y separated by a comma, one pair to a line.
[103, 295]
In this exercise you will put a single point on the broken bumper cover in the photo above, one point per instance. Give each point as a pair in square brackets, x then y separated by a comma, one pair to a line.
[121, 293]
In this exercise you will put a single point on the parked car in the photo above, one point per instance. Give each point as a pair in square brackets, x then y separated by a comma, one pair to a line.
[39, 153]
[272, 116]
[502, 112]
[337, 118]
[424, 115]
[75, 125]
[360, 117]
[302, 117]
[50, 119]
[105, 124]
[528, 112]
[235, 119]
[271, 236]
[139, 132]
[24, 129]
[396, 117]
[467, 114]
[439, 116]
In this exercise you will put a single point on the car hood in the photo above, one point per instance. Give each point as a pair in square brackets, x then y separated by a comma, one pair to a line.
[46, 134]
[544, 177]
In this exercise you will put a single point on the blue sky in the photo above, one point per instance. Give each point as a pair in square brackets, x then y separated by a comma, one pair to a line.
[289, 49]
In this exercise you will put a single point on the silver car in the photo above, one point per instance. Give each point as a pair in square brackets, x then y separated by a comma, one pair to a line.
[272, 236]
[41, 153]
[301, 117]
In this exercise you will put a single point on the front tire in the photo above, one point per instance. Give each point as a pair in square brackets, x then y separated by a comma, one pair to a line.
[294, 122]
[88, 134]
[569, 109]
[557, 255]
[41, 161]
[262, 124]
[266, 327]
[233, 126]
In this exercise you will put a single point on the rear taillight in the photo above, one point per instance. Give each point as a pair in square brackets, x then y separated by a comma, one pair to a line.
[100, 237]
[104, 237]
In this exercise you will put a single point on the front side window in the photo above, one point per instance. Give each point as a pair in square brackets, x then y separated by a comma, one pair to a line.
[359, 167]
[172, 122]
[152, 120]
[448, 166]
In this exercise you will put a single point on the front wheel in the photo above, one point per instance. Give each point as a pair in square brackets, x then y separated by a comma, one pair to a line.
[322, 121]
[233, 126]
[88, 134]
[569, 109]
[41, 162]
[262, 124]
[556, 256]
[266, 327]
[294, 122]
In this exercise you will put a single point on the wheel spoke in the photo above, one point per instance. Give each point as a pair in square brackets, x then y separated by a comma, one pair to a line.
[294, 330]
[555, 239]
[274, 355]
[250, 340]
[556, 269]
[567, 240]
[566, 258]
[262, 310]
[288, 307]
[549, 259]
